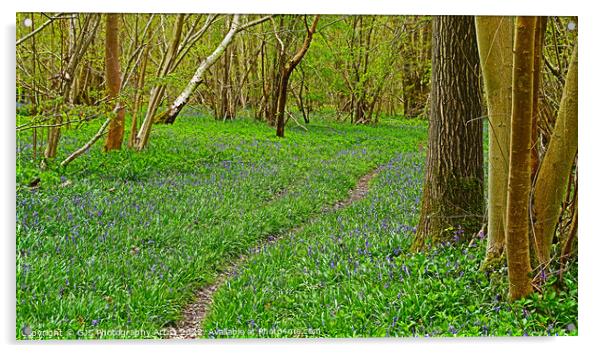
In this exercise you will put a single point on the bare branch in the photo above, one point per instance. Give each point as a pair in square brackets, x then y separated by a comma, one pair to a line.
[254, 23]
[33, 33]
[99, 134]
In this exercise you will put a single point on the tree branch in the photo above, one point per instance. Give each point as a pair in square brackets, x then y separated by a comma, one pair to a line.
[99, 134]
[33, 33]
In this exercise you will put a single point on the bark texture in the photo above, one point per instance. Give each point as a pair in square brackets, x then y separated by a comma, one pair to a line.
[540, 30]
[287, 70]
[113, 80]
[556, 166]
[494, 36]
[452, 204]
[519, 176]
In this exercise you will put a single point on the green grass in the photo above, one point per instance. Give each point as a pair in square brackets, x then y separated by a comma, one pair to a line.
[126, 244]
[120, 251]
[350, 274]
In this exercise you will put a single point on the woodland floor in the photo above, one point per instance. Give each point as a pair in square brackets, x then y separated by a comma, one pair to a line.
[195, 313]
[293, 237]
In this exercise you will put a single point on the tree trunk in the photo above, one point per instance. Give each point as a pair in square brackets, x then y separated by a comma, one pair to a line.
[519, 175]
[174, 109]
[225, 105]
[452, 203]
[494, 36]
[556, 166]
[276, 70]
[286, 73]
[113, 80]
[540, 31]
[138, 98]
[300, 99]
[158, 91]
[169, 117]
[65, 77]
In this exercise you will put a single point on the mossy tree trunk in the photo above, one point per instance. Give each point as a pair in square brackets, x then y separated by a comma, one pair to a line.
[519, 175]
[556, 166]
[494, 36]
[113, 80]
[452, 203]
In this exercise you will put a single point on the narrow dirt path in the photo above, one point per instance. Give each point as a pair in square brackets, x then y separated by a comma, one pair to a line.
[194, 314]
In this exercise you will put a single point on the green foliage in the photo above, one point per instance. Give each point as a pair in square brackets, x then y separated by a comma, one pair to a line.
[128, 240]
[351, 273]
[121, 240]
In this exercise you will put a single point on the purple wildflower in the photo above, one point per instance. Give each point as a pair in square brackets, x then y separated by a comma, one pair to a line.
[481, 235]
[405, 269]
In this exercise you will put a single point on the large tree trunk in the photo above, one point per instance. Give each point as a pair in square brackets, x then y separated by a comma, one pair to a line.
[556, 166]
[452, 204]
[286, 73]
[494, 36]
[113, 80]
[519, 175]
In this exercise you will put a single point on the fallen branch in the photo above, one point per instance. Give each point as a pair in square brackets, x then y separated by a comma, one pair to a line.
[99, 134]
[295, 120]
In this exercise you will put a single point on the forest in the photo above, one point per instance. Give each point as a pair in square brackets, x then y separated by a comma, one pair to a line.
[186, 176]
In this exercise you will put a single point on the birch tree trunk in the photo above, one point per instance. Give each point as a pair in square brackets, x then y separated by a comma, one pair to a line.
[169, 116]
[176, 107]
[519, 175]
[494, 37]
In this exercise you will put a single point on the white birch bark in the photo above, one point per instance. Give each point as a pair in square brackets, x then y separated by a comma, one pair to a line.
[196, 79]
